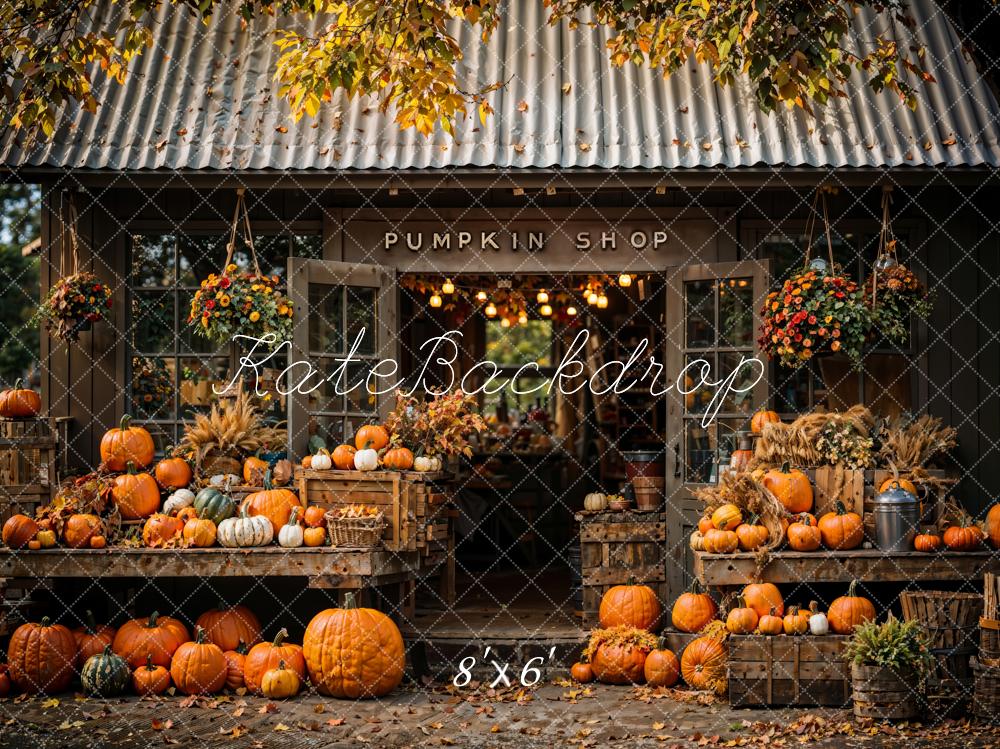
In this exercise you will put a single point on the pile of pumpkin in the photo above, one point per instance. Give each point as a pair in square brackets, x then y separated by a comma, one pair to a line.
[347, 653]
[371, 450]
[625, 650]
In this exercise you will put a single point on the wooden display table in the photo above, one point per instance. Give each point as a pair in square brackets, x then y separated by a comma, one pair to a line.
[870, 565]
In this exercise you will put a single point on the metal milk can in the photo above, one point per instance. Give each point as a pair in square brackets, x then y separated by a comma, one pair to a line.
[897, 519]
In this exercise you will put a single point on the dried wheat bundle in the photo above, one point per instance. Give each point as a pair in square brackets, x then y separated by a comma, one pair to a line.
[795, 443]
[745, 490]
[915, 443]
[230, 429]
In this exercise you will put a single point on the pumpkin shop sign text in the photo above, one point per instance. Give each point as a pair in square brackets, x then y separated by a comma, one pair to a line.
[496, 240]
[569, 376]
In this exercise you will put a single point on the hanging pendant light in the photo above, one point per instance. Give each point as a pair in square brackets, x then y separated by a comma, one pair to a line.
[522, 318]
[435, 300]
[491, 310]
[545, 310]
[624, 280]
[592, 297]
[447, 287]
[543, 297]
[571, 311]
[602, 302]
[505, 322]
[480, 296]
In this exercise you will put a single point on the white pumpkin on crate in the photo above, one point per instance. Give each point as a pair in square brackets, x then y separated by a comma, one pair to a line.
[291, 535]
[366, 460]
[177, 501]
[427, 463]
[245, 530]
[595, 502]
[818, 623]
[321, 461]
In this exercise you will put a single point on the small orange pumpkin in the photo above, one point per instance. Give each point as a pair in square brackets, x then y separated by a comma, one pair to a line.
[803, 535]
[267, 655]
[398, 459]
[19, 403]
[705, 524]
[693, 610]
[150, 680]
[274, 504]
[235, 662]
[721, 542]
[727, 517]
[928, 542]
[314, 517]
[198, 667]
[794, 622]
[763, 597]
[770, 624]
[741, 620]
[373, 436]
[199, 533]
[703, 664]
[841, 530]
[343, 457]
[92, 638]
[313, 537]
[752, 535]
[173, 473]
[582, 672]
[19, 531]
[662, 668]
[963, 536]
[791, 487]
[80, 529]
[98, 542]
[847, 612]
[762, 417]
[159, 529]
[254, 469]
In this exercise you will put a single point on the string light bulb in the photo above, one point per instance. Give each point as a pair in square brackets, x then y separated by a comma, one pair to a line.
[592, 298]
[545, 311]
[624, 280]
[480, 296]
[602, 302]
[435, 300]
[522, 318]
[543, 297]
[571, 311]
[447, 287]
[491, 310]
[505, 322]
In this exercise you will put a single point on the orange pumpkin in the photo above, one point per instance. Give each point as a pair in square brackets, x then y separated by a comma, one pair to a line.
[993, 525]
[791, 487]
[199, 532]
[794, 622]
[693, 610]
[19, 403]
[313, 537]
[720, 542]
[630, 604]
[173, 473]
[126, 444]
[352, 652]
[703, 664]
[770, 624]
[727, 517]
[156, 636]
[398, 459]
[41, 657]
[18, 531]
[235, 665]
[762, 417]
[662, 668]
[905, 484]
[741, 620]
[79, 529]
[267, 655]
[582, 672]
[343, 457]
[228, 626]
[254, 469]
[186, 514]
[314, 517]
[964, 536]
[92, 638]
[841, 530]
[619, 663]
[752, 535]
[159, 529]
[803, 535]
[34, 545]
[847, 612]
[927, 542]
[705, 524]
[98, 542]
[4, 681]
[762, 597]
[150, 680]
[135, 494]
[307, 461]
[274, 504]
[373, 436]
[198, 667]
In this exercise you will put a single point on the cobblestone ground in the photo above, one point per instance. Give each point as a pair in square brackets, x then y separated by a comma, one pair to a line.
[553, 715]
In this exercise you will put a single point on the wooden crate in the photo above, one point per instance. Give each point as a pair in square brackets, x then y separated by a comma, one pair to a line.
[784, 670]
[28, 470]
[832, 485]
[617, 546]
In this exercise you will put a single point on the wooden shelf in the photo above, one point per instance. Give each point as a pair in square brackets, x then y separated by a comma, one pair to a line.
[869, 565]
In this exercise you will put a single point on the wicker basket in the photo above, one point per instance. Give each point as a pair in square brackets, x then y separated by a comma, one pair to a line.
[989, 642]
[986, 701]
[355, 532]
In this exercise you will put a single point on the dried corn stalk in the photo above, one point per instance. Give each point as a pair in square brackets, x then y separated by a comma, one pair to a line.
[746, 491]
[911, 444]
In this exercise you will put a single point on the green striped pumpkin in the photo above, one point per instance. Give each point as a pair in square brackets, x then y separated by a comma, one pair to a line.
[105, 674]
[211, 504]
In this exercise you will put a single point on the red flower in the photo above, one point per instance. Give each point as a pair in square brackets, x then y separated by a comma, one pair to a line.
[210, 304]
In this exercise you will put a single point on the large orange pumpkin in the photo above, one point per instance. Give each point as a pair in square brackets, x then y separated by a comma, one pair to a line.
[661, 669]
[343, 457]
[228, 626]
[804, 534]
[993, 525]
[791, 487]
[159, 529]
[630, 604]
[847, 612]
[373, 436]
[158, 636]
[763, 597]
[135, 494]
[19, 403]
[762, 417]
[267, 655]
[126, 444]
[398, 459]
[198, 667]
[619, 663]
[964, 536]
[80, 528]
[173, 473]
[354, 652]
[703, 664]
[693, 610]
[92, 638]
[841, 529]
[274, 504]
[41, 657]
[19, 531]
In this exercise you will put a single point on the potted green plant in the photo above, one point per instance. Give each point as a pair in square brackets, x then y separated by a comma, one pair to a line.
[889, 664]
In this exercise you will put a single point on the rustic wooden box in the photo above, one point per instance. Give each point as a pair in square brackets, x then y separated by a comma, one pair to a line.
[27, 465]
[784, 670]
[616, 546]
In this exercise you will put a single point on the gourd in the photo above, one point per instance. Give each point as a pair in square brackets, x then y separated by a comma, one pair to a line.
[595, 502]
[19, 403]
[40, 657]
[160, 528]
[762, 597]
[98, 542]
[752, 535]
[398, 459]
[177, 501]
[354, 652]
[697, 542]
[198, 667]
[46, 539]
[741, 620]
[926, 542]
[80, 529]
[274, 504]
[105, 674]
[245, 530]
[693, 610]
[321, 461]
[267, 655]
[18, 531]
[582, 672]
[841, 529]
[630, 604]
[847, 612]
[314, 537]
[662, 668]
[92, 638]
[291, 535]
[762, 417]
[770, 624]
[703, 664]
[794, 623]
[818, 623]
[150, 680]
[366, 459]
[254, 469]
[371, 436]
[228, 626]
[173, 473]
[156, 636]
[803, 536]
[136, 495]
[199, 532]
[280, 683]
[212, 504]
[126, 444]
[427, 463]
[727, 517]
[791, 487]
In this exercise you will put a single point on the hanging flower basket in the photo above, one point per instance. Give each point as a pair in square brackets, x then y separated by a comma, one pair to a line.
[240, 302]
[74, 304]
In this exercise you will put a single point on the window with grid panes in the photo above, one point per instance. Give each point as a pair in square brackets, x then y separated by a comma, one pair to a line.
[172, 371]
[883, 382]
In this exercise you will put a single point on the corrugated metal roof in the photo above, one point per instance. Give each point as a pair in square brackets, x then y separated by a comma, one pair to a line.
[204, 99]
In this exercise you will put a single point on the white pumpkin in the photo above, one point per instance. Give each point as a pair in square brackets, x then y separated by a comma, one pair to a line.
[224, 479]
[818, 623]
[595, 502]
[245, 530]
[366, 460]
[178, 501]
[697, 541]
[291, 535]
[427, 463]
[321, 461]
